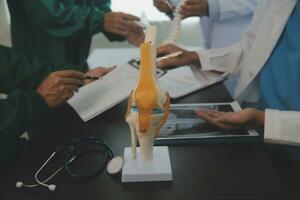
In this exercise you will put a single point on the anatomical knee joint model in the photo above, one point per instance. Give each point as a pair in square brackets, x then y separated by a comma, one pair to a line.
[148, 106]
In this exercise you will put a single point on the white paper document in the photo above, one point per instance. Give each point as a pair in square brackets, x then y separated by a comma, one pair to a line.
[108, 57]
[182, 81]
[100, 95]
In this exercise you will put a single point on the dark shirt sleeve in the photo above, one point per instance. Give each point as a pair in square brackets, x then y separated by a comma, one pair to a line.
[23, 106]
[23, 109]
[62, 19]
[17, 72]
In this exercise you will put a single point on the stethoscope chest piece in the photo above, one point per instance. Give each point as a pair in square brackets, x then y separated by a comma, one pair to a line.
[115, 165]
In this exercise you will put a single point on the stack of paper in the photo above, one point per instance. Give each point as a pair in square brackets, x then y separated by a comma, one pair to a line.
[100, 95]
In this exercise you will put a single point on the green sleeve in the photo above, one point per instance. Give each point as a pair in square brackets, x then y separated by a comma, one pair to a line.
[104, 5]
[17, 72]
[63, 20]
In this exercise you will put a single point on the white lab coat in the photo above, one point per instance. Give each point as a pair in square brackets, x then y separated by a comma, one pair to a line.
[227, 20]
[224, 26]
[249, 55]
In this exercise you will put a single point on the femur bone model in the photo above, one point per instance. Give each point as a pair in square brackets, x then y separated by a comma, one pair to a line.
[148, 105]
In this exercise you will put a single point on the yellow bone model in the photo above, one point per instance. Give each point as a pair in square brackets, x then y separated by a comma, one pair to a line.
[146, 92]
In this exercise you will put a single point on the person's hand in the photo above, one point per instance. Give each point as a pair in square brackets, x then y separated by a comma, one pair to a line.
[246, 118]
[60, 86]
[164, 6]
[194, 8]
[98, 72]
[135, 37]
[186, 58]
[120, 23]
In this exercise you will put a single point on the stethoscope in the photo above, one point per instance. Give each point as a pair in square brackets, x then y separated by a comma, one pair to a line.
[76, 149]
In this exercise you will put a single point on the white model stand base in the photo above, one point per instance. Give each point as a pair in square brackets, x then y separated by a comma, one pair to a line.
[138, 170]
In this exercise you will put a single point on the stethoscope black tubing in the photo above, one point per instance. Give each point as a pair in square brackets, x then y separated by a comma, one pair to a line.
[76, 150]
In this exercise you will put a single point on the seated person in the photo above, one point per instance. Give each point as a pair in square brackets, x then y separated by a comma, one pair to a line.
[61, 31]
[267, 59]
[32, 90]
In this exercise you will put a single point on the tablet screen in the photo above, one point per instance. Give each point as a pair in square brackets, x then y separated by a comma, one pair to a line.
[184, 123]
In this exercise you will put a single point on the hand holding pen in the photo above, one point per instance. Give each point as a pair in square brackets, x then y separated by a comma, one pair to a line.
[92, 78]
[97, 74]
[172, 55]
[176, 57]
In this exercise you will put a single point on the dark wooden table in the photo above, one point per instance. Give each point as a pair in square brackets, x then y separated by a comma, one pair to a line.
[211, 171]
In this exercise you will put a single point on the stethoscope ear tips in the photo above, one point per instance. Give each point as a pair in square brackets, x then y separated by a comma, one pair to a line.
[52, 187]
[19, 184]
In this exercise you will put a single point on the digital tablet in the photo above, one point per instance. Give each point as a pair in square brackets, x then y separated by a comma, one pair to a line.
[185, 127]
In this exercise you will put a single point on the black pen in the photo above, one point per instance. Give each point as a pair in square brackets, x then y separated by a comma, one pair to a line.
[92, 77]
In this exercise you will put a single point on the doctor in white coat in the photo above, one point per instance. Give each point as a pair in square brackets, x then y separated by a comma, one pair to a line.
[222, 21]
[268, 61]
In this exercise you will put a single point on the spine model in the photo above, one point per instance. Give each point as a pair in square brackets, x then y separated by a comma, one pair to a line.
[175, 26]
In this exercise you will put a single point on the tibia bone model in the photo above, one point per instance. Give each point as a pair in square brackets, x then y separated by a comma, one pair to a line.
[148, 106]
